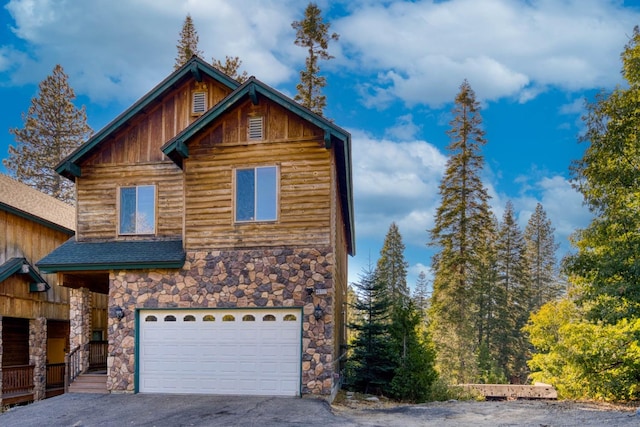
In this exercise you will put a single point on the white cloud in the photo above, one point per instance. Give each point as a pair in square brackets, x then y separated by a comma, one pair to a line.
[505, 48]
[122, 49]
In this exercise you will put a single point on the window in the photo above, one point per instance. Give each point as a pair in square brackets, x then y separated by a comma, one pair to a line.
[254, 130]
[189, 318]
[248, 318]
[256, 194]
[228, 318]
[151, 319]
[209, 318]
[269, 318]
[199, 103]
[169, 318]
[289, 318]
[137, 209]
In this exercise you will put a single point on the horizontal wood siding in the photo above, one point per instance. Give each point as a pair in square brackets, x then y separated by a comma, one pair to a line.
[15, 341]
[139, 140]
[97, 191]
[304, 164]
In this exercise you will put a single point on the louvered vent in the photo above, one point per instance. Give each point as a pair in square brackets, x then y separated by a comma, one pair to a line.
[199, 105]
[255, 128]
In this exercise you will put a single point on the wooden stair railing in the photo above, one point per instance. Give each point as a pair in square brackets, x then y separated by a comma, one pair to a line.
[72, 366]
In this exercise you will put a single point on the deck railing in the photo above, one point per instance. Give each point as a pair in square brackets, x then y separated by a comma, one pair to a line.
[17, 380]
[55, 375]
[98, 354]
[73, 367]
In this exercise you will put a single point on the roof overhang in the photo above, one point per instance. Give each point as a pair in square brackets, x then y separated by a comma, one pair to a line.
[75, 256]
[21, 266]
[26, 215]
[70, 167]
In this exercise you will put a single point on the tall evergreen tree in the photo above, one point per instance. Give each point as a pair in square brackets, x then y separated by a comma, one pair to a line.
[392, 266]
[541, 256]
[230, 67]
[312, 33]
[513, 279]
[53, 128]
[188, 44]
[421, 293]
[459, 234]
[372, 362]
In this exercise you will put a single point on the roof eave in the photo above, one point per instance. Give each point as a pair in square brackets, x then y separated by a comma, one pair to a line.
[143, 265]
[36, 219]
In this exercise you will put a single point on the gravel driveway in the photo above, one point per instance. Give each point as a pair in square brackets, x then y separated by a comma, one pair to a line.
[198, 410]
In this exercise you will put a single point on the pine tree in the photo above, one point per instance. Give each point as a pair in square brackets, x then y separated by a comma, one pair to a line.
[312, 33]
[372, 362]
[541, 256]
[230, 67]
[53, 128]
[514, 283]
[188, 44]
[421, 293]
[392, 266]
[459, 233]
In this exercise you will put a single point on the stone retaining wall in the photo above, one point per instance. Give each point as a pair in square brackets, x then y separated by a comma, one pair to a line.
[230, 279]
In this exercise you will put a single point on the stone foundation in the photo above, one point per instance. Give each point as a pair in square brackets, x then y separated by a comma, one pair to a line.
[230, 279]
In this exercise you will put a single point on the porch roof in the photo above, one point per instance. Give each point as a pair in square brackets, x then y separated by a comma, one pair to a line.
[15, 266]
[114, 255]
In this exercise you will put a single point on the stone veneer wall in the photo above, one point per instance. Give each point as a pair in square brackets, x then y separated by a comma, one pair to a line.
[38, 355]
[225, 279]
[1, 350]
[80, 323]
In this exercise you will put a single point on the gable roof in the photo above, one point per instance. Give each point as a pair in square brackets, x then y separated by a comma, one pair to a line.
[26, 202]
[113, 255]
[177, 148]
[16, 265]
[70, 166]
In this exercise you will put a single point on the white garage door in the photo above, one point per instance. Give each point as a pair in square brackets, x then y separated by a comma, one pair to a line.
[241, 352]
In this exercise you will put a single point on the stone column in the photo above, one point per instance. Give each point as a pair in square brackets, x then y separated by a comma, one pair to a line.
[80, 323]
[1, 350]
[38, 355]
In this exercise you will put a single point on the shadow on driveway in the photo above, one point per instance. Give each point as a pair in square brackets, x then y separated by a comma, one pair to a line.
[171, 410]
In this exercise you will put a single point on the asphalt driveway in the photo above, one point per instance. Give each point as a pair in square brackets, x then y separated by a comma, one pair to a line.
[171, 410]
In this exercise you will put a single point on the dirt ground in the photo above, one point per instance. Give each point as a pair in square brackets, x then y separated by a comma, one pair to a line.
[537, 413]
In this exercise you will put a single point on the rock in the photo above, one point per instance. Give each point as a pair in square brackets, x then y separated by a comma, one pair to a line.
[372, 399]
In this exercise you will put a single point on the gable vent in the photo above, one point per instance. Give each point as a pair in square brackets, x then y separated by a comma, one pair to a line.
[255, 128]
[199, 104]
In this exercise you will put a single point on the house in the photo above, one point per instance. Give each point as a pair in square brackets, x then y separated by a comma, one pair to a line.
[34, 311]
[219, 218]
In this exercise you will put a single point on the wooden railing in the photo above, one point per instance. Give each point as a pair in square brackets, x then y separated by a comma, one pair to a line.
[98, 354]
[55, 375]
[17, 380]
[72, 367]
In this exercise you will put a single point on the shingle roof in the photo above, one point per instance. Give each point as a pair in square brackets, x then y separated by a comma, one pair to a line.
[14, 265]
[113, 255]
[27, 202]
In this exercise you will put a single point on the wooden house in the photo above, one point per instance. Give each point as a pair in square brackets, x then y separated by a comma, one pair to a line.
[34, 311]
[219, 218]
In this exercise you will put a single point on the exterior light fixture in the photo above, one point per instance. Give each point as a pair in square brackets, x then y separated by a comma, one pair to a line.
[317, 313]
[119, 312]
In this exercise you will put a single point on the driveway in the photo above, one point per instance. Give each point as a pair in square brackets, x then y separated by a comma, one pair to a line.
[236, 411]
[171, 410]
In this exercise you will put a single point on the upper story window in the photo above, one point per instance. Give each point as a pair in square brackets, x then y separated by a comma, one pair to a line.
[138, 209]
[257, 194]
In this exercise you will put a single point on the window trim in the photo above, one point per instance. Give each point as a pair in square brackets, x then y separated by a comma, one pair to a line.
[155, 210]
[255, 195]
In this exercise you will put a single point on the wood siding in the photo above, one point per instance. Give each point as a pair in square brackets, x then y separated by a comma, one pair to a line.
[98, 198]
[139, 141]
[20, 237]
[305, 182]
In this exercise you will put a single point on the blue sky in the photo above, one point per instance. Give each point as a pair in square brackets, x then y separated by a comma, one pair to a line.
[397, 68]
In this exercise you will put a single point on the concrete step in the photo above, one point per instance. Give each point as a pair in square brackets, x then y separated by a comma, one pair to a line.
[89, 383]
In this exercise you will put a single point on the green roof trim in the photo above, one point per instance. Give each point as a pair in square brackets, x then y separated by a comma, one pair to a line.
[70, 168]
[36, 219]
[176, 148]
[16, 266]
[114, 255]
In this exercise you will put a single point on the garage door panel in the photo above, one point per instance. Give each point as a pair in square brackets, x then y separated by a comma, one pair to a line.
[242, 356]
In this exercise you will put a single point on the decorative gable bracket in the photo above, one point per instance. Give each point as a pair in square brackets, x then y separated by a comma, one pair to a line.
[22, 266]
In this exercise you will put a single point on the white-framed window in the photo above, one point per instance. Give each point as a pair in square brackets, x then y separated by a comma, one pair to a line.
[255, 129]
[256, 194]
[198, 103]
[138, 209]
